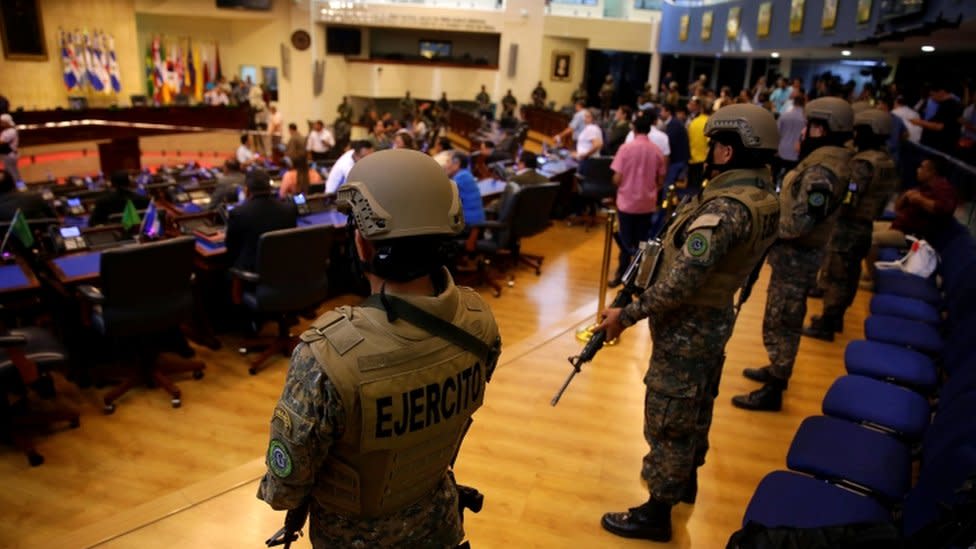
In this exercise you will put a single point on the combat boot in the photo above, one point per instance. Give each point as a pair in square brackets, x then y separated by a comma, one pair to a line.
[651, 520]
[838, 324]
[768, 398]
[690, 494]
[762, 375]
[821, 327]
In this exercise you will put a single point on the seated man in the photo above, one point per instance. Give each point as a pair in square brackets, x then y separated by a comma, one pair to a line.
[228, 185]
[923, 211]
[31, 204]
[260, 214]
[244, 155]
[526, 175]
[339, 171]
[457, 170]
[493, 154]
[114, 202]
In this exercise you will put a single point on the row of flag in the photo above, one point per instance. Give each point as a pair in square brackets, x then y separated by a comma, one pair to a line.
[180, 67]
[89, 61]
[150, 225]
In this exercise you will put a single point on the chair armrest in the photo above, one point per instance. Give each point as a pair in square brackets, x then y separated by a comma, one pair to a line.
[91, 293]
[11, 340]
[246, 276]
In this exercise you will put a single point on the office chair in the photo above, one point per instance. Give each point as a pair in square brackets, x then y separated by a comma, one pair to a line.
[595, 187]
[26, 355]
[291, 278]
[525, 213]
[145, 294]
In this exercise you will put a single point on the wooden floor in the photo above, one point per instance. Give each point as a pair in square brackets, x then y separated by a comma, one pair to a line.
[152, 476]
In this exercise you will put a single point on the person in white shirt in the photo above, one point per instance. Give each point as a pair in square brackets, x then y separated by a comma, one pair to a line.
[656, 136]
[319, 142]
[275, 126]
[576, 124]
[590, 139]
[339, 171]
[245, 156]
[906, 114]
[9, 143]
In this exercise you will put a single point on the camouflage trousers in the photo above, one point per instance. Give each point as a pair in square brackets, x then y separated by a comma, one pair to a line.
[682, 383]
[794, 273]
[841, 269]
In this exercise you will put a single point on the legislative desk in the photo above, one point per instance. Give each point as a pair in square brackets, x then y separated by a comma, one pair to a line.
[545, 121]
[16, 278]
[560, 168]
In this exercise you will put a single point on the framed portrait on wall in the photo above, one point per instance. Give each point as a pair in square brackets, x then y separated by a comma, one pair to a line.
[863, 11]
[706, 33]
[765, 19]
[732, 25]
[22, 31]
[683, 24]
[829, 18]
[562, 63]
[796, 16]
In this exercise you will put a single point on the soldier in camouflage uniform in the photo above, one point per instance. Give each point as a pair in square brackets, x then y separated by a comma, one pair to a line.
[811, 197]
[606, 96]
[539, 96]
[579, 94]
[408, 107]
[873, 180]
[344, 110]
[369, 395]
[509, 104]
[713, 244]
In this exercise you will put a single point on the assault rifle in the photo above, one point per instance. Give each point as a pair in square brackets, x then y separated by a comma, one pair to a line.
[639, 275]
[292, 530]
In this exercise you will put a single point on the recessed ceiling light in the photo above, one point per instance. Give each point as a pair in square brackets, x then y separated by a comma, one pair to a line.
[846, 53]
[928, 49]
[774, 55]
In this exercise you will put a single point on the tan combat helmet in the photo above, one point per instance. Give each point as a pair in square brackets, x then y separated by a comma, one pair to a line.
[401, 192]
[837, 112]
[859, 106]
[755, 125]
[878, 120]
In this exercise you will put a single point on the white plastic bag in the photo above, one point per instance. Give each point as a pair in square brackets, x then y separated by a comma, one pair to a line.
[921, 259]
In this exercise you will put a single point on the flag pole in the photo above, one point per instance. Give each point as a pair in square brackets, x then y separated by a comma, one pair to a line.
[6, 237]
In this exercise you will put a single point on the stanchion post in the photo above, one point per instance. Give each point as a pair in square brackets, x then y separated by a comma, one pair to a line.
[584, 333]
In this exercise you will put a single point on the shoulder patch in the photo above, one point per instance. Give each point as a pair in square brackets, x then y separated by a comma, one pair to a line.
[342, 335]
[279, 460]
[282, 415]
[817, 199]
[697, 244]
[705, 221]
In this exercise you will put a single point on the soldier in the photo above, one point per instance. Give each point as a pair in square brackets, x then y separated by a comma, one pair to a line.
[509, 104]
[408, 107]
[873, 179]
[607, 91]
[812, 193]
[710, 249]
[373, 388]
[539, 96]
[579, 94]
[345, 110]
[484, 103]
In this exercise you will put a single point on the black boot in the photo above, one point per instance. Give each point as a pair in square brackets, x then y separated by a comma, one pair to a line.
[769, 398]
[651, 520]
[816, 292]
[838, 323]
[691, 489]
[762, 375]
[821, 327]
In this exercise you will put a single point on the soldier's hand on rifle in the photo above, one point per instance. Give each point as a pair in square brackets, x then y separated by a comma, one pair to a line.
[611, 323]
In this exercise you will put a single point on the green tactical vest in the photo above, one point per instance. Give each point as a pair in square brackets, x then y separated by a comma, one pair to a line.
[835, 159]
[407, 397]
[751, 188]
[869, 202]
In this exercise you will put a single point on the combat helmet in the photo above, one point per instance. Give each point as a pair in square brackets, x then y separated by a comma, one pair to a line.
[835, 111]
[879, 121]
[754, 124]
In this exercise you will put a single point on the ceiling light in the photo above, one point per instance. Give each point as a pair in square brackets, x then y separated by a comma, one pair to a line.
[928, 49]
[846, 53]
[774, 55]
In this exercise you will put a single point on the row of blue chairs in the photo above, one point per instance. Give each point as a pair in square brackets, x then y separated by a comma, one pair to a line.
[908, 400]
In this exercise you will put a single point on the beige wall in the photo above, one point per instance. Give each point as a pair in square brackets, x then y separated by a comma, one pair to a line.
[604, 34]
[561, 91]
[40, 84]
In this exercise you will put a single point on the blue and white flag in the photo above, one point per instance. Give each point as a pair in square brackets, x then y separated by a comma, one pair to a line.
[91, 65]
[112, 64]
[151, 224]
[70, 78]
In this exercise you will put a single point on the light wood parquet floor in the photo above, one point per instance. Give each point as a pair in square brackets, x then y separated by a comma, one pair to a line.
[151, 476]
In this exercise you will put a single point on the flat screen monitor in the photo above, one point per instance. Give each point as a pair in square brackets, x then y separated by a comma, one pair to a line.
[343, 40]
[70, 232]
[435, 49]
[263, 5]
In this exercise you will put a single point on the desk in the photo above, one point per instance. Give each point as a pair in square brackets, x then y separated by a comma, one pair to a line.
[328, 217]
[491, 187]
[75, 268]
[561, 170]
[17, 277]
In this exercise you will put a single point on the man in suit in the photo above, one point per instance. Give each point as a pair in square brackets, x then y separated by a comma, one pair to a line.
[114, 202]
[228, 185]
[260, 214]
[31, 204]
[526, 175]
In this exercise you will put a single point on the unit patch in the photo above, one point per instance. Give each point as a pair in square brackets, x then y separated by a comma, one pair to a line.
[697, 244]
[279, 461]
[816, 200]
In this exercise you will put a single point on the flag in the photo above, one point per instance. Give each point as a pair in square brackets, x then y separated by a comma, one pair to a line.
[91, 65]
[112, 64]
[191, 71]
[22, 230]
[150, 70]
[70, 80]
[157, 70]
[217, 74]
[196, 73]
[151, 226]
[130, 216]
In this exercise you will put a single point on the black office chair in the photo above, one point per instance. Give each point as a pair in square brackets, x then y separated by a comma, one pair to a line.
[145, 294]
[291, 278]
[596, 188]
[526, 213]
[29, 354]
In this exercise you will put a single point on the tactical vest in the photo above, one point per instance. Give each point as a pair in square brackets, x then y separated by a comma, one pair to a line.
[751, 188]
[867, 204]
[835, 159]
[407, 397]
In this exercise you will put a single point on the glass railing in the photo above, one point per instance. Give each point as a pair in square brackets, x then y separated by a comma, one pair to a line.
[456, 4]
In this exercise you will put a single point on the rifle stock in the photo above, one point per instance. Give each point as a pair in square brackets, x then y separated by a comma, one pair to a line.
[292, 530]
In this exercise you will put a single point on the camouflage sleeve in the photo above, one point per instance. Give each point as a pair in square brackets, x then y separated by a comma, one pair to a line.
[307, 420]
[861, 173]
[717, 226]
[808, 203]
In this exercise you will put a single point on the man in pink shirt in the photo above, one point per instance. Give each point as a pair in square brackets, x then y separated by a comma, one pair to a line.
[638, 171]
